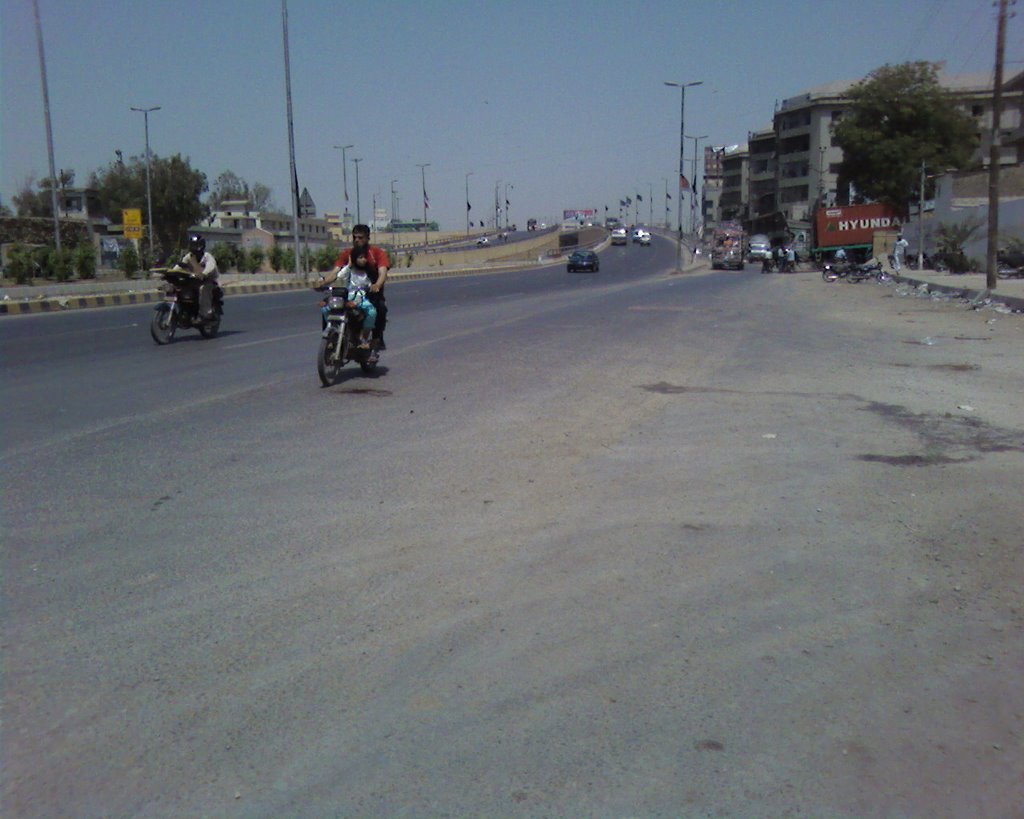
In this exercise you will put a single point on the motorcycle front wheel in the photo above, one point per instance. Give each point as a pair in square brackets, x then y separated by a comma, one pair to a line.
[163, 325]
[326, 367]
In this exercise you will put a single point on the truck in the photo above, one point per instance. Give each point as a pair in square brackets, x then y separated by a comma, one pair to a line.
[727, 250]
[853, 227]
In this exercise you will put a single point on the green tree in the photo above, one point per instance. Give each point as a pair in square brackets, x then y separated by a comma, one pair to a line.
[254, 259]
[900, 116]
[176, 189]
[34, 198]
[20, 264]
[62, 263]
[276, 258]
[325, 258]
[129, 260]
[85, 261]
[227, 256]
[230, 185]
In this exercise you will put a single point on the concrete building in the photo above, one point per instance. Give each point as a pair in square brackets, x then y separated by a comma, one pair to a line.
[787, 171]
[235, 224]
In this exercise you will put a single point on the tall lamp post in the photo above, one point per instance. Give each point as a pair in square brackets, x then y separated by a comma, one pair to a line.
[693, 182]
[359, 214]
[423, 177]
[682, 86]
[344, 177]
[468, 174]
[149, 195]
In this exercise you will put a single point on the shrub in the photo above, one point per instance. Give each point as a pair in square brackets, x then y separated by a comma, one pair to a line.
[253, 259]
[276, 258]
[129, 260]
[85, 261]
[20, 265]
[62, 263]
[226, 255]
[325, 258]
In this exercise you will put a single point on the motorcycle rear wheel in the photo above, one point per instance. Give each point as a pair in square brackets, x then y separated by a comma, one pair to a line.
[210, 328]
[326, 367]
[162, 326]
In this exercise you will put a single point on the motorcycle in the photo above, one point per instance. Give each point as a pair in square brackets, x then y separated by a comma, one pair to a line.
[834, 271]
[180, 307]
[871, 269]
[339, 342]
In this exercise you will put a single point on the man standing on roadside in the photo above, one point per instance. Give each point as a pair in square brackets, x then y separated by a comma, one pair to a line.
[898, 251]
[375, 260]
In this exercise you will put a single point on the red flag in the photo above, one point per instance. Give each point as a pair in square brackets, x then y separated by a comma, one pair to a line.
[683, 184]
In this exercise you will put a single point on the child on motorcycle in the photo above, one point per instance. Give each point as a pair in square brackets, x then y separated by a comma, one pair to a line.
[355, 277]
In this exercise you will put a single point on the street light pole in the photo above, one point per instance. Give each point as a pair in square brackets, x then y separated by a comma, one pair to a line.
[423, 178]
[468, 174]
[693, 182]
[54, 181]
[344, 177]
[682, 86]
[149, 195]
[359, 214]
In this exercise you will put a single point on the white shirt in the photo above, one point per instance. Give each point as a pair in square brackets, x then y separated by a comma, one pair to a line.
[205, 266]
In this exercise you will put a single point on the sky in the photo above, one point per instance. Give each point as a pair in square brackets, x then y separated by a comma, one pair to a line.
[556, 105]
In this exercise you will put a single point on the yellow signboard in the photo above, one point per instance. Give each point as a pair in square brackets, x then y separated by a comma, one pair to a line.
[131, 221]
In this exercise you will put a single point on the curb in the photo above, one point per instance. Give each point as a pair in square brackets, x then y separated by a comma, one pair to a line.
[60, 304]
[978, 297]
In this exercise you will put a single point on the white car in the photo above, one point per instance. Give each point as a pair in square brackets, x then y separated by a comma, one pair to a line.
[483, 240]
[643, 238]
[619, 236]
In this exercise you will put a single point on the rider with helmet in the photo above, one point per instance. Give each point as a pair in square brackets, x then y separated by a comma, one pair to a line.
[204, 267]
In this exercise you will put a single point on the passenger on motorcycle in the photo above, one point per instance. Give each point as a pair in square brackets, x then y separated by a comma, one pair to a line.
[355, 279]
[374, 261]
[204, 267]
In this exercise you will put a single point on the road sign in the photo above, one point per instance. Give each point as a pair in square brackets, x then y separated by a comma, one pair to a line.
[131, 221]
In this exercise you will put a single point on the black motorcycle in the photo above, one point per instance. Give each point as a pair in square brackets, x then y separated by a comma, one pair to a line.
[340, 341]
[180, 307]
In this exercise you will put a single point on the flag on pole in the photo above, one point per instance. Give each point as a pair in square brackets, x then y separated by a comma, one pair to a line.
[683, 184]
[668, 196]
[469, 207]
[639, 198]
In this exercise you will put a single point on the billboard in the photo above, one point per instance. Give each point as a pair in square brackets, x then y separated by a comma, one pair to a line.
[578, 215]
[854, 224]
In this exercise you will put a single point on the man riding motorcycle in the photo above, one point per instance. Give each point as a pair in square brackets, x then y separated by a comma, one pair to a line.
[374, 260]
[204, 267]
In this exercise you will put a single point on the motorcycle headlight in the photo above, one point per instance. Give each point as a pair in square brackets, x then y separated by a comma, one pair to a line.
[336, 303]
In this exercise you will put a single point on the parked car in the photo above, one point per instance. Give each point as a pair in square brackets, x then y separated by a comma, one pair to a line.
[619, 236]
[583, 260]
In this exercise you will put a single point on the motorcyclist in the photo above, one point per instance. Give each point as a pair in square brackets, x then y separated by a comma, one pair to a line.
[374, 260]
[203, 266]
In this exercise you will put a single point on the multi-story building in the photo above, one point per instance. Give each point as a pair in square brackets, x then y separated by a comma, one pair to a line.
[733, 204]
[235, 224]
[793, 167]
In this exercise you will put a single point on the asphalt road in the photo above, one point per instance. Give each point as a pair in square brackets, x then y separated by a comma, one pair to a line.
[613, 544]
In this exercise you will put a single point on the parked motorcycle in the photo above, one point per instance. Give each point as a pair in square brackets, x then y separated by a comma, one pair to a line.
[872, 269]
[339, 343]
[180, 306]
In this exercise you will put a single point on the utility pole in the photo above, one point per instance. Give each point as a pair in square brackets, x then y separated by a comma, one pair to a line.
[49, 128]
[423, 178]
[920, 222]
[344, 179]
[682, 86]
[468, 174]
[359, 213]
[149, 195]
[291, 139]
[693, 183]
[993, 168]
